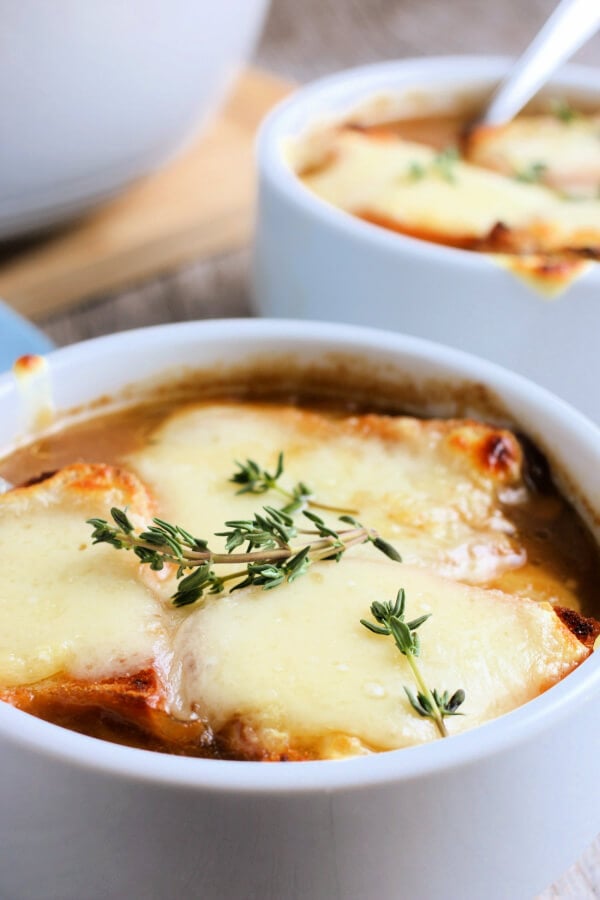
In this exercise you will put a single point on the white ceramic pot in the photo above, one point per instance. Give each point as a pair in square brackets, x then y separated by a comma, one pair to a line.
[315, 261]
[93, 95]
[496, 812]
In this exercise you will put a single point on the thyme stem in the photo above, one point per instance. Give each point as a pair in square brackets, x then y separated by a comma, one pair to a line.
[390, 620]
[193, 558]
[269, 558]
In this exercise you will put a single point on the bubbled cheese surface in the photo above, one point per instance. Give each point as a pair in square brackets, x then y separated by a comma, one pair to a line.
[423, 484]
[300, 669]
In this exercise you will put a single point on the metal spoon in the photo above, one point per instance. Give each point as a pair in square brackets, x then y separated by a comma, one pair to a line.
[571, 24]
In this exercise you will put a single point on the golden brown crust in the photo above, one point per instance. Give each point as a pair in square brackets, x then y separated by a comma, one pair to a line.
[530, 246]
[127, 710]
[493, 452]
[584, 628]
[83, 480]
[458, 241]
[239, 740]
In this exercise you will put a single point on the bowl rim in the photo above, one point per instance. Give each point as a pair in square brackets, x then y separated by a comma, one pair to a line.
[503, 734]
[357, 84]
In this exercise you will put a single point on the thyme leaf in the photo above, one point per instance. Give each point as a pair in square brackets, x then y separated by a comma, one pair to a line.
[264, 532]
[448, 705]
[383, 546]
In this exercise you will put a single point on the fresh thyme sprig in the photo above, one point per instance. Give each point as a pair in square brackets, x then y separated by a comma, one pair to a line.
[256, 480]
[562, 110]
[416, 171]
[269, 559]
[390, 620]
[443, 165]
[531, 174]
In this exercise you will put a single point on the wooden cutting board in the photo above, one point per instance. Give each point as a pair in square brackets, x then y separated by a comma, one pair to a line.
[198, 206]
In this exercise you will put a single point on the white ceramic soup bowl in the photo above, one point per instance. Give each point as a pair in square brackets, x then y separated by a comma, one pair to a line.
[496, 812]
[315, 261]
[93, 95]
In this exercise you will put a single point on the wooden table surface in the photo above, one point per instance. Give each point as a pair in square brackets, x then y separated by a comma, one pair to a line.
[303, 40]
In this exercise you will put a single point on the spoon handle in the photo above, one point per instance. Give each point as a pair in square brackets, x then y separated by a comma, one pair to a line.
[571, 24]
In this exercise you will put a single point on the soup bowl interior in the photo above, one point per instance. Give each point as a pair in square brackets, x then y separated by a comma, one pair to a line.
[513, 799]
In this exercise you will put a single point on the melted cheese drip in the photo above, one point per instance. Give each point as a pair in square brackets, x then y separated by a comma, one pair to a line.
[67, 607]
[419, 483]
[299, 668]
[370, 175]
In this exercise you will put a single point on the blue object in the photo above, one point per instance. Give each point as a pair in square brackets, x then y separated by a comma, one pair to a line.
[17, 336]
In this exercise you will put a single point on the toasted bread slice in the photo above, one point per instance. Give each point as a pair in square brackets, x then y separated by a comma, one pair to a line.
[509, 178]
[296, 673]
[129, 709]
[83, 633]
[561, 153]
[443, 492]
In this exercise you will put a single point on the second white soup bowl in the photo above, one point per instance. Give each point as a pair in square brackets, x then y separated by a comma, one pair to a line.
[315, 261]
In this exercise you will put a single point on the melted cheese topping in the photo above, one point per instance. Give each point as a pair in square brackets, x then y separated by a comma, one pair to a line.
[301, 671]
[569, 152]
[291, 671]
[67, 607]
[375, 178]
[429, 486]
